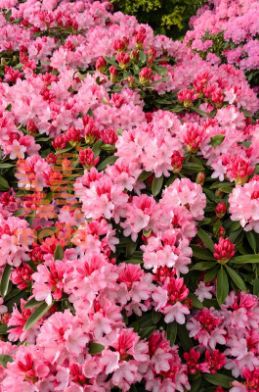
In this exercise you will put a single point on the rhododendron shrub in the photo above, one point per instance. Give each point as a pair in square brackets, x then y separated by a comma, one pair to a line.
[129, 208]
[227, 31]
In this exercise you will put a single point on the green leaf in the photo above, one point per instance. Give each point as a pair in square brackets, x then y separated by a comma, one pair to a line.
[182, 333]
[135, 260]
[226, 188]
[234, 235]
[32, 302]
[256, 287]
[4, 285]
[5, 165]
[196, 385]
[202, 266]
[142, 57]
[246, 259]
[59, 253]
[95, 348]
[199, 111]
[144, 175]
[4, 186]
[195, 302]
[160, 70]
[3, 329]
[217, 140]
[210, 275]
[110, 148]
[97, 147]
[206, 239]
[233, 226]
[222, 285]
[4, 359]
[37, 315]
[201, 254]
[107, 161]
[46, 232]
[61, 151]
[171, 332]
[236, 278]
[219, 380]
[156, 186]
[177, 109]
[193, 167]
[251, 238]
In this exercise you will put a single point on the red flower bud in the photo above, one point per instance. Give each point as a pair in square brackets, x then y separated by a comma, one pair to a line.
[113, 73]
[100, 64]
[145, 75]
[221, 209]
[200, 179]
[177, 161]
[87, 158]
[123, 59]
[121, 44]
[224, 250]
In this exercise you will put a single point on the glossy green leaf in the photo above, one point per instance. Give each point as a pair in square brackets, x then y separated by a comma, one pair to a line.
[59, 253]
[171, 332]
[37, 315]
[4, 359]
[201, 254]
[107, 161]
[6, 165]
[4, 186]
[182, 333]
[236, 278]
[252, 240]
[206, 239]
[4, 285]
[211, 274]
[217, 140]
[203, 266]
[3, 329]
[95, 348]
[222, 285]
[219, 379]
[134, 261]
[156, 186]
[32, 303]
[246, 259]
[195, 302]
[256, 287]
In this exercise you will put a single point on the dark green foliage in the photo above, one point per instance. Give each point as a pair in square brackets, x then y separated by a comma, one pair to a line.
[168, 17]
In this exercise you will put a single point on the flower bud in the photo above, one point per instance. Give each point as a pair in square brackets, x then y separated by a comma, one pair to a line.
[131, 81]
[224, 250]
[221, 209]
[121, 44]
[87, 158]
[177, 161]
[123, 59]
[100, 64]
[200, 179]
[145, 75]
[113, 73]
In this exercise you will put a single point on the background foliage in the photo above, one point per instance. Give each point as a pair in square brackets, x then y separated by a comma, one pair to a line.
[168, 17]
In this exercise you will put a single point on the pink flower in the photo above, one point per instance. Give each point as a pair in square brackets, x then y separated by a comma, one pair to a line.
[244, 205]
[138, 215]
[206, 327]
[48, 281]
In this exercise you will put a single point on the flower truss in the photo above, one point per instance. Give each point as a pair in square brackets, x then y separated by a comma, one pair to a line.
[227, 31]
[129, 208]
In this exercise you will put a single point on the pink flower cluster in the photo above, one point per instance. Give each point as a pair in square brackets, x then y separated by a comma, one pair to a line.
[227, 29]
[126, 182]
